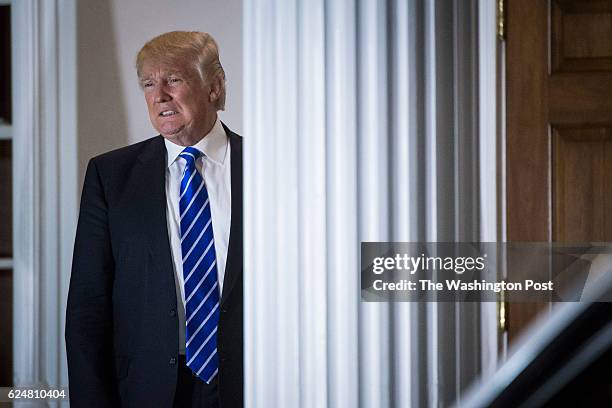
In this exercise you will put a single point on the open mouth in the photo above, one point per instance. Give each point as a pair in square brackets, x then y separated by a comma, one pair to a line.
[167, 113]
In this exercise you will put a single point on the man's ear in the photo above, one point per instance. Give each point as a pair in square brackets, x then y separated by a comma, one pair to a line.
[215, 90]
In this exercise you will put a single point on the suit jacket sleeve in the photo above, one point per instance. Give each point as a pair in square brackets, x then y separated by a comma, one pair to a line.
[89, 313]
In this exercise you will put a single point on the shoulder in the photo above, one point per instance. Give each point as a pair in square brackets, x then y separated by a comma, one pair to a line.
[234, 138]
[129, 154]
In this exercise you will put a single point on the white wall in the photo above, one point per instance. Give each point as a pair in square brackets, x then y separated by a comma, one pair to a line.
[111, 110]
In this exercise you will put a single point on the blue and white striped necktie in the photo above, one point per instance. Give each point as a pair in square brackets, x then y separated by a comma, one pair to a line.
[199, 271]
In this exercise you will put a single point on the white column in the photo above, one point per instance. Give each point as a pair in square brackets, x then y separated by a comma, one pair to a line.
[406, 133]
[341, 205]
[373, 173]
[312, 192]
[45, 174]
[26, 300]
[361, 123]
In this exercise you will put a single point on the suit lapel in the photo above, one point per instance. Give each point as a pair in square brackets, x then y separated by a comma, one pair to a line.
[233, 269]
[152, 174]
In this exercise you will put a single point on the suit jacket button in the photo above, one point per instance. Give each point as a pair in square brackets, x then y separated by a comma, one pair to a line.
[172, 361]
[173, 312]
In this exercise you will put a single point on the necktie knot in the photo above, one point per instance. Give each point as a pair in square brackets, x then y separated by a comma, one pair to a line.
[190, 154]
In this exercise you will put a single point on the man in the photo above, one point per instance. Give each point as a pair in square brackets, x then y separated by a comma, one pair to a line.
[154, 315]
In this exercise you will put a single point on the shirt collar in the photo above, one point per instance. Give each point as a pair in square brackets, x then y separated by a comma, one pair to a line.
[213, 145]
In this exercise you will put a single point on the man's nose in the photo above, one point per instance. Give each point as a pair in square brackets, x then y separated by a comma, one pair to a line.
[161, 95]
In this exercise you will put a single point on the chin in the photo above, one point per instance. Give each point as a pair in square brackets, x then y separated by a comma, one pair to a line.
[171, 134]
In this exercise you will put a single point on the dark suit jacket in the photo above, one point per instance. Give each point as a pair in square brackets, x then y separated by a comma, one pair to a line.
[121, 319]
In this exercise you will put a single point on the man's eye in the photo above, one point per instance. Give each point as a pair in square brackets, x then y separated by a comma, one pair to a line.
[147, 85]
[174, 80]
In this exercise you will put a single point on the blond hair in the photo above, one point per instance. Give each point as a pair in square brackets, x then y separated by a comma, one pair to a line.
[200, 48]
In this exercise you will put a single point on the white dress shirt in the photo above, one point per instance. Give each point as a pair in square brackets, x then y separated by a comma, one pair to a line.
[214, 165]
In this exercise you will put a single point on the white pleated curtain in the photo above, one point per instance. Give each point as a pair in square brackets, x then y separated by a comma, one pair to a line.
[362, 123]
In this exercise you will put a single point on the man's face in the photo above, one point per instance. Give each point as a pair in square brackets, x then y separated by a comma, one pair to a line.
[180, 104]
